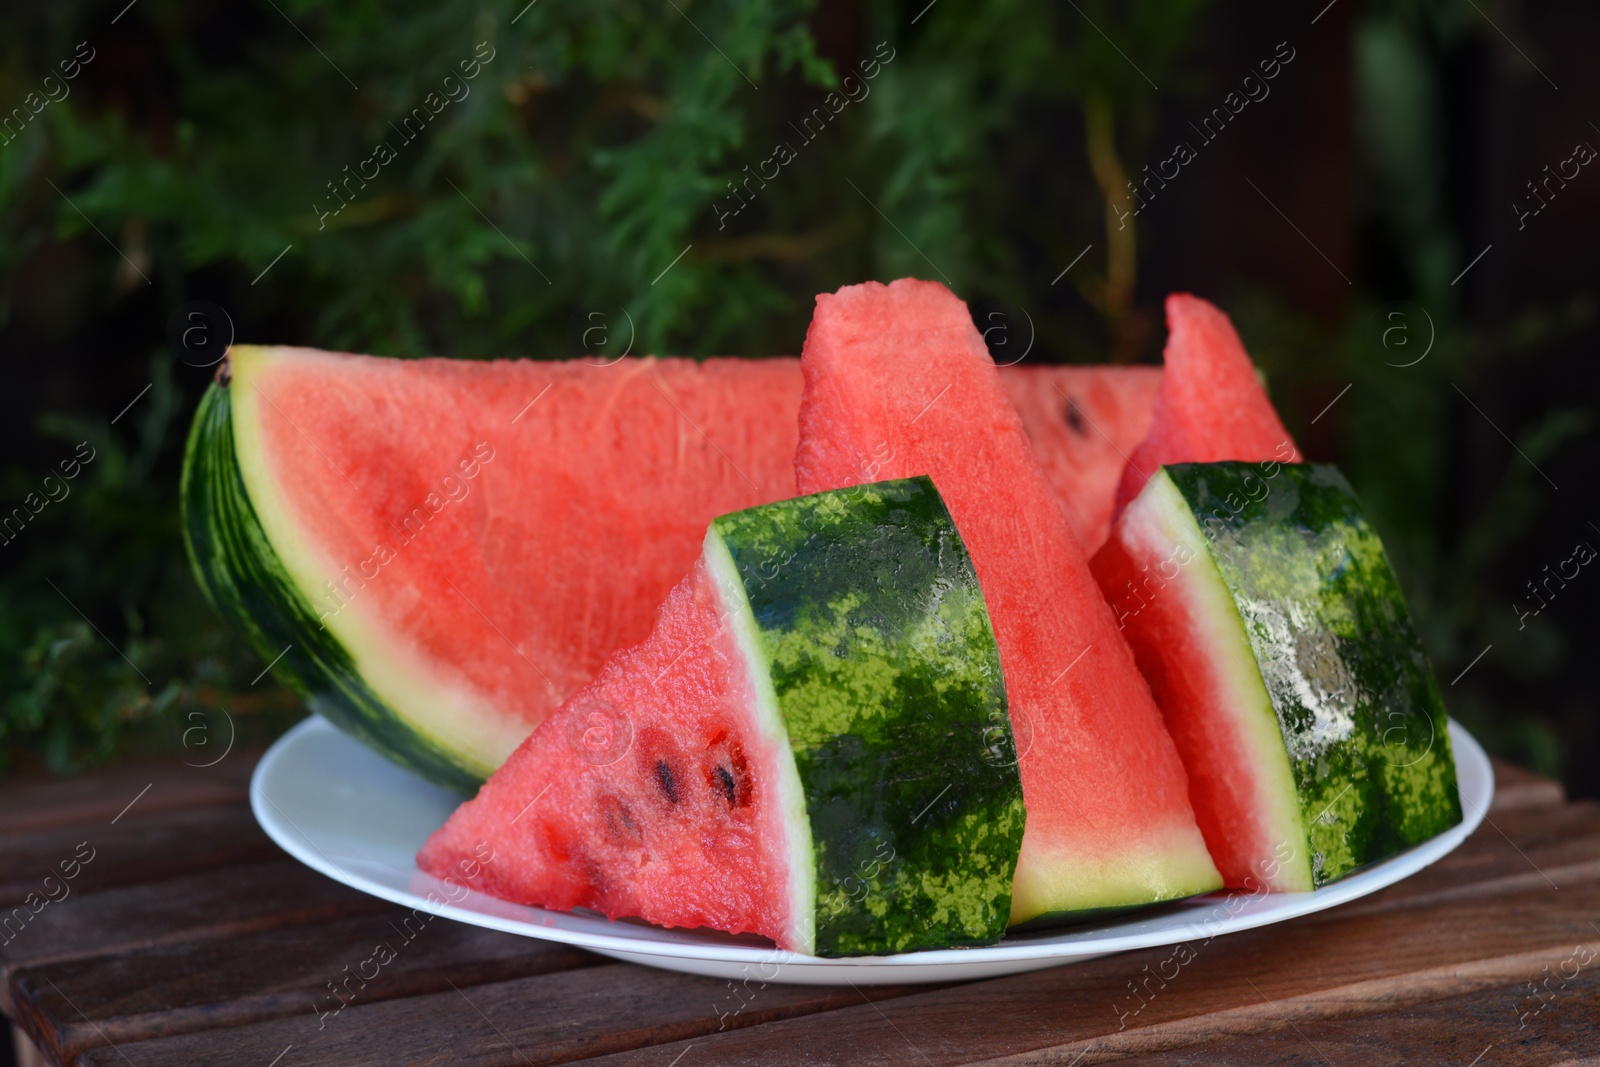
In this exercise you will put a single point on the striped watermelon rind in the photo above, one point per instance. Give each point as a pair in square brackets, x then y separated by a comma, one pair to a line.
[1348, 724]
[246, 581]
[860, 616]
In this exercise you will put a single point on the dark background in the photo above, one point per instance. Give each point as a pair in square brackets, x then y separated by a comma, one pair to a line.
[1339, 221]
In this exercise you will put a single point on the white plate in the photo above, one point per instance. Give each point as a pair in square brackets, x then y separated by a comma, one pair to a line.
[340, 808]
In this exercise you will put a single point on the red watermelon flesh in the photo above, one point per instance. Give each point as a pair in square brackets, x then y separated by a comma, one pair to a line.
[770, 758]
[898, 383]
[1084, 423]
[474, 605]
[1208, 701]
[600, 834]
[1210, 405]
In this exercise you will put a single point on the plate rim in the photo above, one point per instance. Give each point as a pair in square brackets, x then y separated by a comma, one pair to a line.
[299, 845]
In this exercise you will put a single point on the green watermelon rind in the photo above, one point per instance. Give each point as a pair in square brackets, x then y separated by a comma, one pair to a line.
[1373, 773]
[793, 814]
[861, 614]
[1159, 522]
[246, 582]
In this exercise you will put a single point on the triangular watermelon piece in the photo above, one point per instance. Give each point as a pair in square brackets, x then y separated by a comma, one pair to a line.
[1262, 608]
[899, 383]
[1210, 405]
[436, 553]
[812, 745]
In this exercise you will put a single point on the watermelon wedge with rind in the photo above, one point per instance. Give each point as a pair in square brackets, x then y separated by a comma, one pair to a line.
[899, 383]
[811, 734]
[1261, 606]
[435, 553]
[1210, 404]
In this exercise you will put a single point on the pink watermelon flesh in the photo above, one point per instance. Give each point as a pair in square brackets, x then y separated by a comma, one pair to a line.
[476, 617]
[502, 603]
[898, 383]
[1210, 405]
[602, 832]
[1207, 702]
[1084, 423]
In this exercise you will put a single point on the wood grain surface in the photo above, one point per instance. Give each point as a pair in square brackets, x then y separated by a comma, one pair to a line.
[188, 938]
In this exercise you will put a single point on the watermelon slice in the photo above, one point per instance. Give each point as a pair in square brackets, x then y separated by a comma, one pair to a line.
[1263, 610]
[898, 383]
[437, 553]
[1210, 404]
[1084, 423]
[812, 745]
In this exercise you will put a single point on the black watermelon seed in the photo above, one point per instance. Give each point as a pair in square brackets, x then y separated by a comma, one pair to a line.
[664, 778]
[1074, 417]
[726, 782]
[619, 821]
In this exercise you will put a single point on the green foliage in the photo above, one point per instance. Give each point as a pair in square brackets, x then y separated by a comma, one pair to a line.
[1396, 442]
[581, 172]
[586, 151]
[109, 547]
[594, 144]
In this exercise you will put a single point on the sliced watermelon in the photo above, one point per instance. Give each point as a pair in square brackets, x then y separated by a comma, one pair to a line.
[812, 745]
[1210, 405]
[437, 553]
[1261, 606]
[1084, 423]
[898, 383]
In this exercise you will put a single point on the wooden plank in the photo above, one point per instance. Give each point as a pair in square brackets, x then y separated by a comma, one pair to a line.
[1522, 848]
[225, 902]
[1162, 999]
[1503, 1026]
[1516, 789]
[58, 863]
[1530, 841]
[305, 971]
[32, 802]
[542, 1020]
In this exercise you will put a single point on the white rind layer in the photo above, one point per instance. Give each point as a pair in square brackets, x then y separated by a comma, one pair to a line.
[442, 708]
[1156, 522]
[769, 724]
